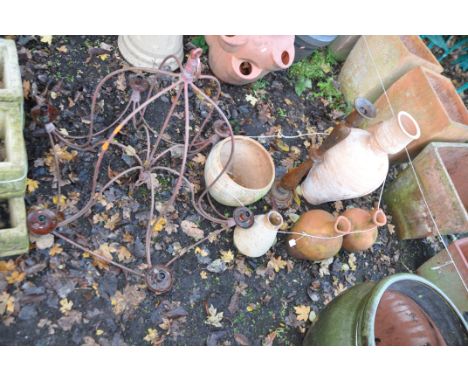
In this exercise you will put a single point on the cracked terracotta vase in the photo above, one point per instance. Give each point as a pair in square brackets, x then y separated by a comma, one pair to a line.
[258, 239]
[365, 223]
[239, 60]
[358, 164]
[249, 177]
[327, 230]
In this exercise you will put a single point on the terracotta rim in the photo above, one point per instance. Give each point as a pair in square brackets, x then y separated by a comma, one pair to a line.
[379, 218]
[342, 225]
[408, 125]
[275, 218]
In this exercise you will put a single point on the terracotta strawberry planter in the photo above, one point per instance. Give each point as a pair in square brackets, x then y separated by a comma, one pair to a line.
[393, 56]
[433, 101]
[441, 271]
[240, 60]
[443, 173]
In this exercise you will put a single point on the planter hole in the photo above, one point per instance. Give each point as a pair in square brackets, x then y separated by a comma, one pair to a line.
[342, 225]
[245, 68]
[2, 68]
[3, 156]
[4, 215]
[285, 58]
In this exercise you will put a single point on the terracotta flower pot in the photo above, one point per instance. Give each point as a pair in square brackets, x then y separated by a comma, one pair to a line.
[250, 176]
[441, 271]
[328, 229]
[258, 239]
[150, 51]
[366, 223]
[358, 165]
[393, 56]
[433, 101]
[443, 174]
[355, 317]
[239, 60]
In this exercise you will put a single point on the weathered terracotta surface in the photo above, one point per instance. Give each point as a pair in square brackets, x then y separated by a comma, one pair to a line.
[258, 239]
[239, 60]
[342, 46]
[366, 223]
[14, 240]
[328, 229]
[443, 174]
[450, 276]
[249, 177]
[393, 56]
[358, 165]
[149, 51]
[400, 321]
[433, 101]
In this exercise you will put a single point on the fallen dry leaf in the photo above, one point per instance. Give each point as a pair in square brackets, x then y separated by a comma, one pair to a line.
[302, 312]
[277, 263]
[127, 301]
[214, 318]
[191, 229]
[65, 306]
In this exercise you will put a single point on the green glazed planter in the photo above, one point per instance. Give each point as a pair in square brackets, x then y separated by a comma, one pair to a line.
[349, 319]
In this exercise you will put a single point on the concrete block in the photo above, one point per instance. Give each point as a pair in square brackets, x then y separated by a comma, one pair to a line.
[14, 240]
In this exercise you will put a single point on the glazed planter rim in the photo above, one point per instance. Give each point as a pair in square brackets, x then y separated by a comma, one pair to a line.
[365, 325]
[255, 143]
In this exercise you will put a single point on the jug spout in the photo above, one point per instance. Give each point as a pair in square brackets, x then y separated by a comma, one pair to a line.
[258, 239]
[394, 134]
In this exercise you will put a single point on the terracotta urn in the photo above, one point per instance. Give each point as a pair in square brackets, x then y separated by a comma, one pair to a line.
[258, 239]
[358, 165]
[450, 272]
[326, 237]
[249, 176]
[433, 101]
[364, 223]
[149, 51]
[391, 57]
[239, 60]
[442, 173]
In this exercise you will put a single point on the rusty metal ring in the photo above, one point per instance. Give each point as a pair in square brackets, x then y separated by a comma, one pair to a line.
[42, 221]
[243, 217]
[159, 279]
[138, 83]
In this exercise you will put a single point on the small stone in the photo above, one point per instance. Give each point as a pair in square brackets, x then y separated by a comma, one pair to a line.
[217, 266]
[27, 312]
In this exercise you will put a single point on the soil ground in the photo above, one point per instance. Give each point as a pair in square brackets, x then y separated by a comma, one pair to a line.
[110, 307]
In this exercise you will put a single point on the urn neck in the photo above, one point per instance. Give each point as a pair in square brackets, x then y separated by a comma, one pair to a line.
[273, 220]
[394, 134]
